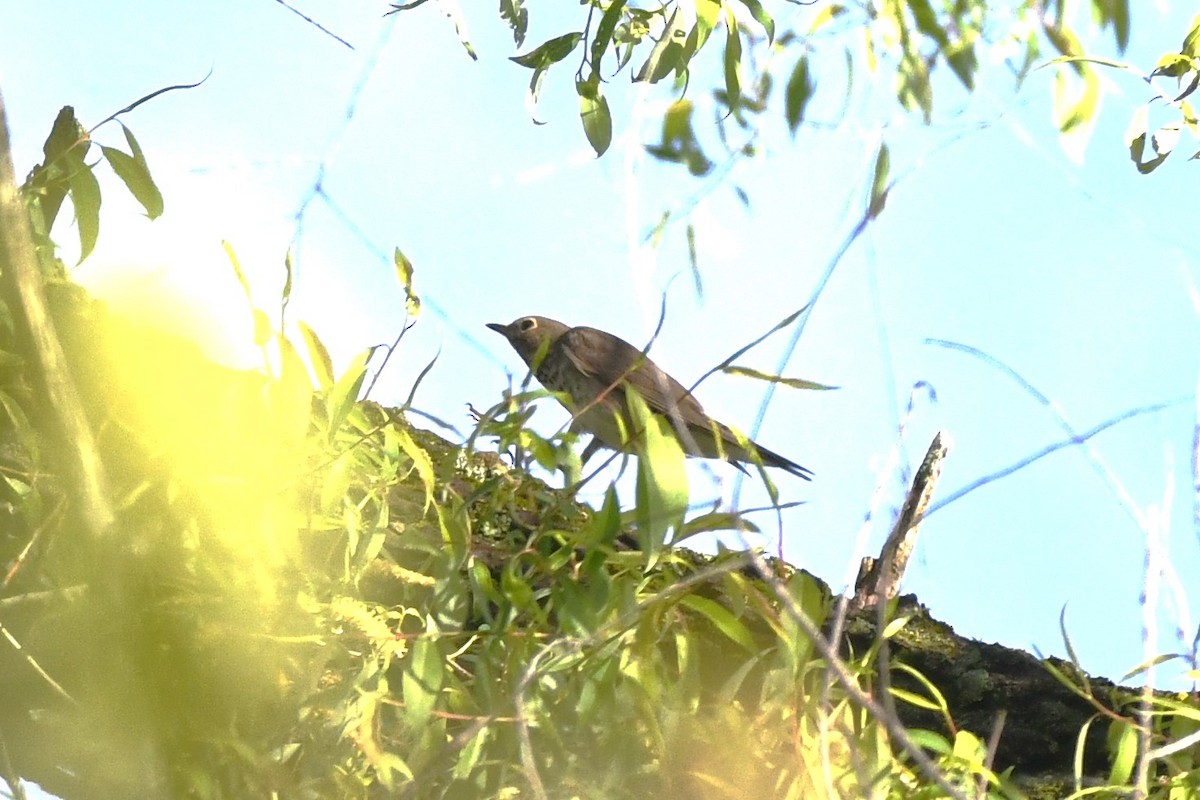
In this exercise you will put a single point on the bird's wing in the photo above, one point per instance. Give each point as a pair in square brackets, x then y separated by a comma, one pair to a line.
[612, 361]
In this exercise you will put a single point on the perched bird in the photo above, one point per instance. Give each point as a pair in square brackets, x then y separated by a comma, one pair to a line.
[594, 368]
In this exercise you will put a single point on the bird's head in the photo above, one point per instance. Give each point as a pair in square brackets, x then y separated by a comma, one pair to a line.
[530, 335]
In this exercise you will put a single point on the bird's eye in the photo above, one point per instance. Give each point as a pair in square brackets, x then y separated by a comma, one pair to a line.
[528, 324]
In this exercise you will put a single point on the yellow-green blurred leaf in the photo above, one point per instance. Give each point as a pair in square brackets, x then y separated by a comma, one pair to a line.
[799, 92]
[879, 181]
[722, 620]
[795, 383]
[319, 356]
[594, 113]
[404, 271]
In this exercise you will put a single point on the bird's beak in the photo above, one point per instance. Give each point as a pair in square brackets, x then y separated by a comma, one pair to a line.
[498, 328]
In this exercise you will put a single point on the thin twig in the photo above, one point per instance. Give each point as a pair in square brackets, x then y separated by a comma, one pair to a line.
[315, 24]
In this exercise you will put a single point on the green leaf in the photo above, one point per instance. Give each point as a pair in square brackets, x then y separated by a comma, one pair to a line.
[65, 134]
[915, 91]
[237, 270]
[322, 364]
[1135, 137]
[715, 521]
[733, 61]
[707, 14]
[421, 461]
[1122, 751]
[1073, 114]
[799, 91]
[345, 391]
[1191, 42]
[825, 16]
[927, 22]
[549, 52]
[136, 175]
[135, 179]
[422, 680]
[594, 113]
[679, 144]
[694, 259]
[288, 274]
[64, 150]
[879, 182]
[604, 36]
[795, 383]
[761, 17]
[1115, 13]
[262, 327]
[404, 271]
[541, 58]
[517, 16]
[913, 699]
[606, 523]
[668, 52]
[85, 196]
[722, 620]
[1173, 65]
[662, 485]
[454, 13]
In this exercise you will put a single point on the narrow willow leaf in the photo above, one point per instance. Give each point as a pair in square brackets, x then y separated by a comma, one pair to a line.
[667, 52]
[795, 383]
[262, 327]
[604, 34]
[85, 196]
[322, 364]
[1122, 751]
[450, 9]
[1118, 16]
[762, 18]
[716, 521]
[237, 270]
[693, 259]
[517, 16]
[421, 461]
[594, 113]
[879, 182]
[549, 52]
[799, 92]
[662, 485]
[152, 200]
[404, 271]
[345, 391]
[135, 179]
[707, 14]
[288, 274]
[1191, 42]
[422, 681]
[722, 620]
[733, 61]
[826, 15]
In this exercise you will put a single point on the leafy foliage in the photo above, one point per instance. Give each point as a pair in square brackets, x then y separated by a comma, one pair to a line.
[66, 173]
[904, 43]
[309, 597]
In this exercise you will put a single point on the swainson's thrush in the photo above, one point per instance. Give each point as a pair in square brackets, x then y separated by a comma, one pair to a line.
[594, 368]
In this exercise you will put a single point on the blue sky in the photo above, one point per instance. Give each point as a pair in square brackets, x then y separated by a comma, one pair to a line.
[1077, 275]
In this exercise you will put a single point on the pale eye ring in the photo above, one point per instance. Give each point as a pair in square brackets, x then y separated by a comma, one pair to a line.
[527, 324]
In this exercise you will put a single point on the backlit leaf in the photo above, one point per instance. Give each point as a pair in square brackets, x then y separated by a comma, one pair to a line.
[85, 196]
[795, 383]
[594, 113]
[879, 181]
[136, 179]
[404, 271]
[799, 92]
